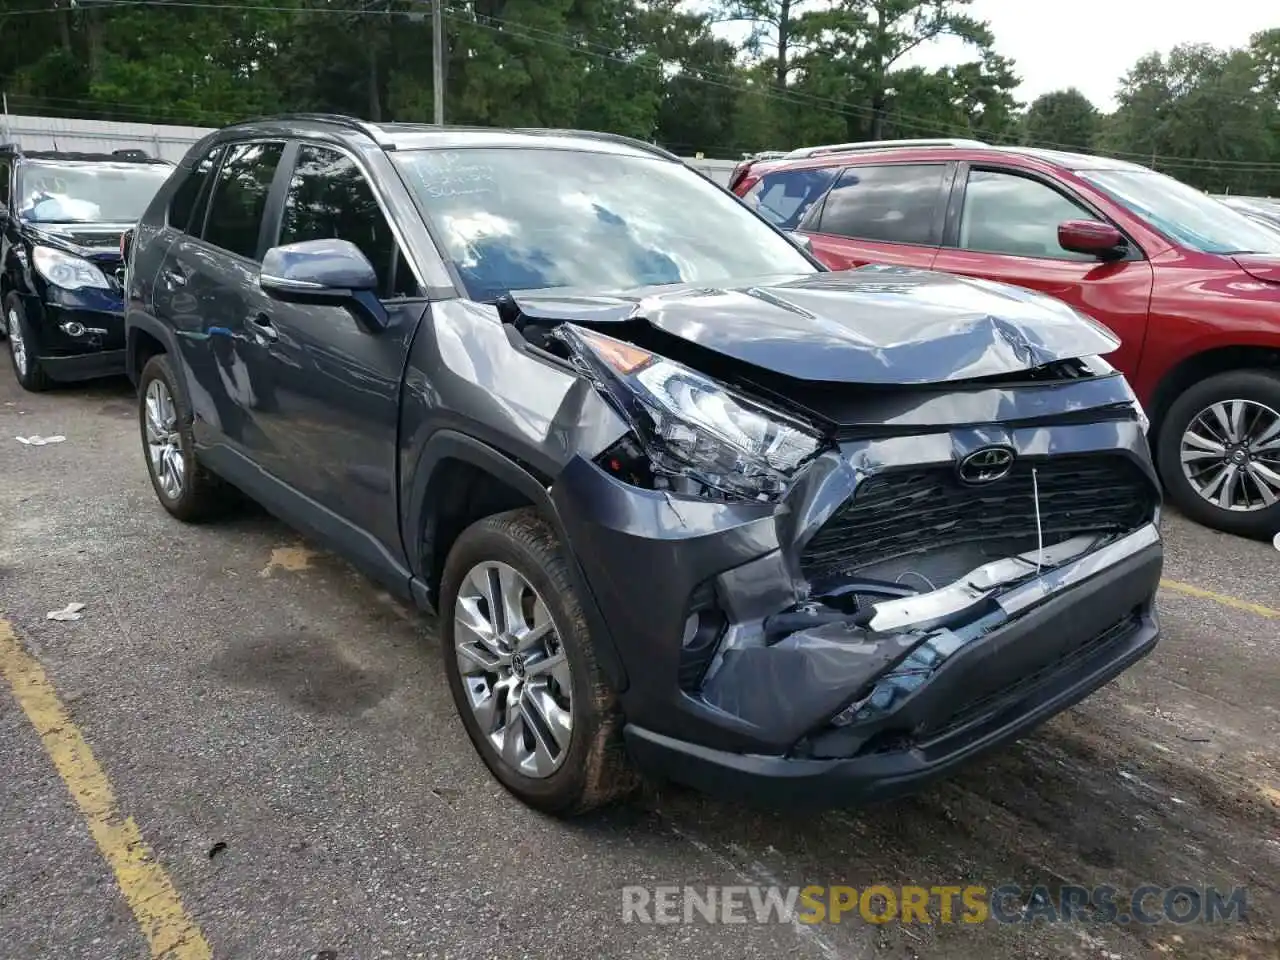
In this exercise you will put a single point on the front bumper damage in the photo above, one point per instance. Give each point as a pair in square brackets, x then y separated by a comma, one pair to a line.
[80, 333]
[874, 629]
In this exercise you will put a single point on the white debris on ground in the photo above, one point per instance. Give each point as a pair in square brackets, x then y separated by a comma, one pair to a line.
[70, 612]
[39, 441]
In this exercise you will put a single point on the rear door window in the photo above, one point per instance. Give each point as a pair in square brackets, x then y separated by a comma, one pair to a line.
[188, 200]
[785, 196]
[894, 203]
[240, 197]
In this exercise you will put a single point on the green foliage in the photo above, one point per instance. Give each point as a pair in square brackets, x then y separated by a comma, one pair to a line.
[1203, 115]
[806, 71]
[1064, 119]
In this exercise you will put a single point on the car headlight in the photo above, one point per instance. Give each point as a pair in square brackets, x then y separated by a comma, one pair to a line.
[699, 436]
[67, 271]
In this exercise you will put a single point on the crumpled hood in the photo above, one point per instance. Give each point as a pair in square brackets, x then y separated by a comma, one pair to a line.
[873, 325]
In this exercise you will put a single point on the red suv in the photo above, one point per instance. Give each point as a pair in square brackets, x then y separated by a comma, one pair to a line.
[1191, 287]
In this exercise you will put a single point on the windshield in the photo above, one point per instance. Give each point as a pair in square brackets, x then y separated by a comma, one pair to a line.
[1183, 213]
[80, 192]
[531, 219]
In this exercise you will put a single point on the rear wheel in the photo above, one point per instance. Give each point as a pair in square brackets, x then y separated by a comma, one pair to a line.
[184, 487]
[22, 347]
[1219, 452]
[522, 669]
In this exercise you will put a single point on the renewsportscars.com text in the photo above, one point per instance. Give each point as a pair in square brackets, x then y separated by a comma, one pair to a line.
[1007, 903]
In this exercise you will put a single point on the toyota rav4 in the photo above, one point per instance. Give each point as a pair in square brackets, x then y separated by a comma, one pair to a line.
[687, 503]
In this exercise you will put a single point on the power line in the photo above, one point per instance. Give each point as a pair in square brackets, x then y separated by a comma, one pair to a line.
[572, 43]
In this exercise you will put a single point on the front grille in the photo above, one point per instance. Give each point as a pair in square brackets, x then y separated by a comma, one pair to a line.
[904, 512]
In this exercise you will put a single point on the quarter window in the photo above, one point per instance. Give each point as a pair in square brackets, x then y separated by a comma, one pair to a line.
[330, 198]
[189, 197]
[240, 197]
[784, 197]
[1005, 213]
[896, 203]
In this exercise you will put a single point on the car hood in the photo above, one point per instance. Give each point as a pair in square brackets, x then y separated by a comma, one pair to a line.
[83, 239]
[874, 325]
[1260, 266]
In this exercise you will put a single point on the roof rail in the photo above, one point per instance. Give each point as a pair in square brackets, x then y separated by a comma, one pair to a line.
[338, 119]
[601, 135]
[880, 145]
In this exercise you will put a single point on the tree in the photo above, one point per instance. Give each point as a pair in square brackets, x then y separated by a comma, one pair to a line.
[1201, 113]
[810, 71]
[1065, 119]
[772, 27]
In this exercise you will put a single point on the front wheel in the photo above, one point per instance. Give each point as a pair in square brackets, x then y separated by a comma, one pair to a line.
[522, 669]
[1219, 452]
[182, 485]
[22, 347]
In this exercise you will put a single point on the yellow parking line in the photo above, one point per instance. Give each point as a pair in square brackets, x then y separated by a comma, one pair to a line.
[1189, 590]
[169, 930]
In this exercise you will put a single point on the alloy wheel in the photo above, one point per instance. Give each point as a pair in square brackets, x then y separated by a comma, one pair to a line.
[164, 446]
[16, 344]
[1231, 455]
[513, 668]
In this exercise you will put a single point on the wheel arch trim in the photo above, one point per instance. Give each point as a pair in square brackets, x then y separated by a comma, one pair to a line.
[446, 445]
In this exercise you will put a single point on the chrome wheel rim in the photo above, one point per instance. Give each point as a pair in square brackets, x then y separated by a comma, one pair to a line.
[1231, 455]
[514, 669]
[17, 346]
[163, 445]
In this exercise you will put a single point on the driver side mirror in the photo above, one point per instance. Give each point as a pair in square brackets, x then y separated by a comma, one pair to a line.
[1092, 237]
[328, 271]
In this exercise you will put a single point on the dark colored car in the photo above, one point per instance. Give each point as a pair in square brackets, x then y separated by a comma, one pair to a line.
[63, 215]
[1191, 287]
[684, 500]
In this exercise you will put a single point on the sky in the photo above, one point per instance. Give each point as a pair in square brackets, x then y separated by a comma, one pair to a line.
[1091, 44]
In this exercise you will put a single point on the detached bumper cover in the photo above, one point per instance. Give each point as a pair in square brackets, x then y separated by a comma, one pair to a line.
[991, 691]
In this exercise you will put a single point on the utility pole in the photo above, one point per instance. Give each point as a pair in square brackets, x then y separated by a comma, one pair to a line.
[437, 57]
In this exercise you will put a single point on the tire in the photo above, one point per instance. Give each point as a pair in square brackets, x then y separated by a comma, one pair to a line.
[1259, 390]
[199, 495]
[593, 769]
[22, 348]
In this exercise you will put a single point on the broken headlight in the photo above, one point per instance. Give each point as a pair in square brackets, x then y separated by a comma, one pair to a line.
[699, 436]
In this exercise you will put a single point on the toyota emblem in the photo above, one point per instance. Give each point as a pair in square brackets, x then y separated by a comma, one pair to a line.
[986, 465]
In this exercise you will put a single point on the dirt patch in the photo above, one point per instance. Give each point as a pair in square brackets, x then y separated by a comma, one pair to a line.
[310, 672]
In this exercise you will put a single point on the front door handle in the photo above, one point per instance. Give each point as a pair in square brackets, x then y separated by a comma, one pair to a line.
[262, 325]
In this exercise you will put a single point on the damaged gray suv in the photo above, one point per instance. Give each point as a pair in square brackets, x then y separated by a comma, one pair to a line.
[687, 504]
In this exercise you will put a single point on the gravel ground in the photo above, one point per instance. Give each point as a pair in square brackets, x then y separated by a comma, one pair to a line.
[240, 688]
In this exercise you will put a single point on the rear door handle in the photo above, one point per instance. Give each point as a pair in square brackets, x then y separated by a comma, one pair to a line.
[262, 324]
